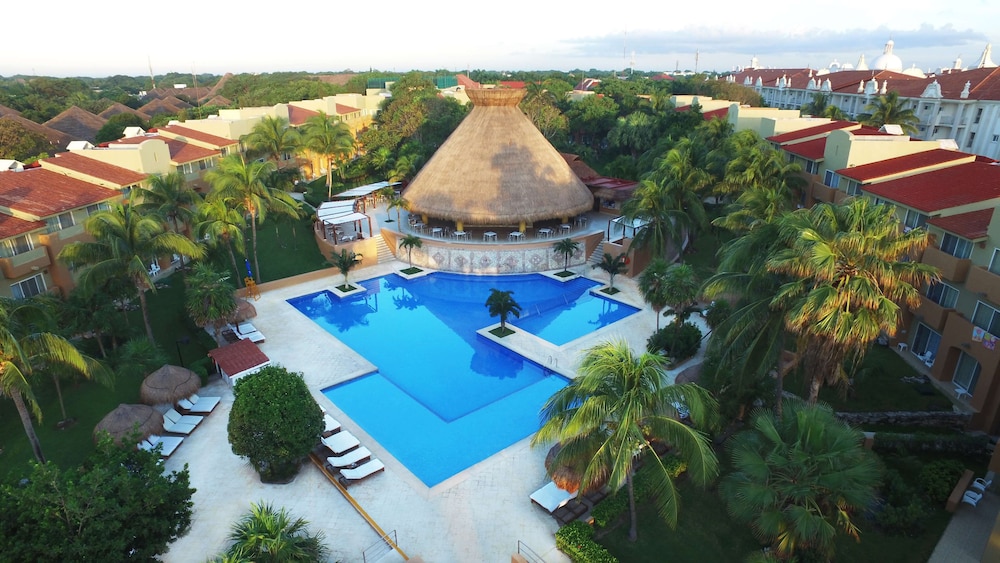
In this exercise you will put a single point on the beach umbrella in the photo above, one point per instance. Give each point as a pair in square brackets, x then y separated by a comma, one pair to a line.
[244, 310]
[126, 419]
[169, 384]
[564, 476]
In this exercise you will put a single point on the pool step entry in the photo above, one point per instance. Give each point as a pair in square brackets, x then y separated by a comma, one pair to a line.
[384, 252]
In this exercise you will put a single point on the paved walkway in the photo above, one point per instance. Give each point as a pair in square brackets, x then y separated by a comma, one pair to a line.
[965, 538]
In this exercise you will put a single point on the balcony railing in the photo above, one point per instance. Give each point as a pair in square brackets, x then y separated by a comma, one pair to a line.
[952, 269]
[933, 314]
[984, 282]
[21, 264]
[821, 192]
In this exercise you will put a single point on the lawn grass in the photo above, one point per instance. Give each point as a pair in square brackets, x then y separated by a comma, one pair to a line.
[412, 270]
[285, 248]
[501, 332]
[877, 387]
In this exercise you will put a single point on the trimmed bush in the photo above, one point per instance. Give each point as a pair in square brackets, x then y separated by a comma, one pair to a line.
[962, 444]
[903, 512]
[609, 509]
[938, 478]
[679, 344]
[576, 540]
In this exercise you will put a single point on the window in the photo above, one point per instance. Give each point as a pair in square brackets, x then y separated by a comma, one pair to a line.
[831, 179]
[187, 168]
[202, 164]
[66, 221]
[18, 245]
[956, 246]
[812, 167]
[979, 115]
[880, 201]
[853, 187]
[995, 262]
[943, 294]
[996, 138]
[926, 341]
[29, 287]
[914, 219]
[966, 372]
[927, 107]
[972, 137]
[987, 318]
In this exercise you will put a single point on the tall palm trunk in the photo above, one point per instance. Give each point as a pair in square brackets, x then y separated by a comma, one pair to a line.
[177, 229]
[62, 406]
[145, 314]
[232, 257]
[633, 533]
[29, 428]
[253, 232]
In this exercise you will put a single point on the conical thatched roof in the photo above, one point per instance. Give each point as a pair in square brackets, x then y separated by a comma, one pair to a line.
[126, 419]
[168, 385]
[497, 168]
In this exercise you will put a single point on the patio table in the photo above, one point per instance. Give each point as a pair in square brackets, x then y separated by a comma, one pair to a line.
[489, 236]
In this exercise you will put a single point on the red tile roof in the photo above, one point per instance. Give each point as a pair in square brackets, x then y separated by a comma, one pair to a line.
[901, 164]
[80, 164]
[984, 82]
[341, 109]
[298, 116]
[783, 138]
[181, 132]
[972, 225]
[238, 357]
[942, 189]
[721, 113]
[180, 152]
[12, 226]
[44, 193]
[813, 150]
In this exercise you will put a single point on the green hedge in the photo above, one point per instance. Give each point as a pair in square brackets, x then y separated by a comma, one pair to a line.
[609, 509]
[964, 444]
[576, 540]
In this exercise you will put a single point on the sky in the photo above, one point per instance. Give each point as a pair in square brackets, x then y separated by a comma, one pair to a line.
[72, 38]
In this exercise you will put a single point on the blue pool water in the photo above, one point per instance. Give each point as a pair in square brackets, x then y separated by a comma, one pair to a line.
[445, 398]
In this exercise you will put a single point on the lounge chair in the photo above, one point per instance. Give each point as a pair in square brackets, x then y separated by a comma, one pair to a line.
[176, 423]
[341, 442]
[168, 443]
[363, 471]
[179, 418]
[246, 331]
[980, 484]
[972, 497]
[551, 497]
[199, 405]
[330, 425]
[349, 459]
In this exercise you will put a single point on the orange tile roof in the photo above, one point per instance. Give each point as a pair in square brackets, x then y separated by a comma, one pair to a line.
[342, 109]
[813, 150]
[180, 152]
[181, 131]
[44, 193]
[298, 116]
[938, 190]
[783, 138]
[972, 225]
[12, 226]
[80, 164]
[238, 357]
[900, 164]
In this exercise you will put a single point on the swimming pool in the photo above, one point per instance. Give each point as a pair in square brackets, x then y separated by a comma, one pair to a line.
[444, 397]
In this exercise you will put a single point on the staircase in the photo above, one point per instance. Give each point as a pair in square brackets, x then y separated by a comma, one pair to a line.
[597, 256]
[384, 252]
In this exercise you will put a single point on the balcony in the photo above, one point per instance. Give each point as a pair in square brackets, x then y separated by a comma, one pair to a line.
[20, 265]
[822, 192]
[933, 314]
[984, 282]
[952, 269]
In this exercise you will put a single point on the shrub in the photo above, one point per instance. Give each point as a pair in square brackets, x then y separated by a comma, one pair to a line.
[962, 444]
[576, 540]
[716, 313]
[274, 422]
[938, 478]
[903, 511]
[679, 344]
[609, 509]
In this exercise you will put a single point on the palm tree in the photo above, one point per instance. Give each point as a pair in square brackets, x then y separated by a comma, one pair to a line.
[410, 242]
[608, 416]
[345, 262]
[24, 351]
[124, 242]
[680, 291]
[329, 138]
[501, 304]
[851, 267]
[170, 197]
[266, 535]
[799, 479]
[398, 203]
[218, 224]
[208, 296]
[652, 285]
[889, 109]
[241, 184]
[567, 247]
[273, 138]
[820, 106]
[613, 265]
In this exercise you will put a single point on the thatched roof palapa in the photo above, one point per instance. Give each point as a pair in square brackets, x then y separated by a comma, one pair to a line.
[169, 384]
[128, 419]
[497, 168]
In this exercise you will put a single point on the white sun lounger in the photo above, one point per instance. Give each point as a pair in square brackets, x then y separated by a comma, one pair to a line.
[199, 405]
[551, 497]
[341, 442]
[174, 423]
[350, 458]
[361, 472]
[247, 331]
[331, 424]
[173, 416]
[169, 444]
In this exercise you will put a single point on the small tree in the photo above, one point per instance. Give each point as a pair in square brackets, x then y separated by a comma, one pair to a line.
[345, 262]
[613, 265]
[208, 296]
[652, 285]
[567, 247]
[410, 242]
[274, 422]
[398, 203]
[266, 535]
[120, 505]
[501, 304]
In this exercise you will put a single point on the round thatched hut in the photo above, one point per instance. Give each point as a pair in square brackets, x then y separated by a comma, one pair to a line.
[497, 169]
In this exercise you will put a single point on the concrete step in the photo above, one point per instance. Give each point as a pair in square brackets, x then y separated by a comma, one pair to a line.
[385, 253]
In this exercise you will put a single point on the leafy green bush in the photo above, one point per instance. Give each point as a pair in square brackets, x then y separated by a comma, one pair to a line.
[903, 512]
[963, 444]
[716, 313]
[679, 344]
[576, 540]
[938, 478]
[609, 509]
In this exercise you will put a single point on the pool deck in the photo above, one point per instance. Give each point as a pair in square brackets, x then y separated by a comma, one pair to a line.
[478, 515]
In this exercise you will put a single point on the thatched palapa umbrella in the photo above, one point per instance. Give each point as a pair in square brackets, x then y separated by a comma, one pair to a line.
[497, 168]
[169, 384]
[565, 477]
[244, 310]
[126, 419]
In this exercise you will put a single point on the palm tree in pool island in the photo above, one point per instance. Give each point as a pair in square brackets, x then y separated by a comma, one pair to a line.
[610, 415]
[345, 262]
[567, 247]
[410, 242]
[501, 304]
